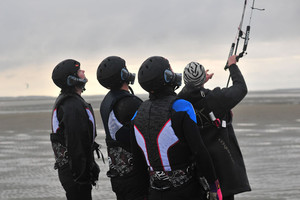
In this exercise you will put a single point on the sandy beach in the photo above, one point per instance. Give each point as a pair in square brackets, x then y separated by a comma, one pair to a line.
[269, 136]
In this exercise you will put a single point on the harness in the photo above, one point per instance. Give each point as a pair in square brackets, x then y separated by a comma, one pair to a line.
[153, 118]
[155, 135]
[120, 162]
[57, 136]
[205, 116]
[120, 159]
[164, 180]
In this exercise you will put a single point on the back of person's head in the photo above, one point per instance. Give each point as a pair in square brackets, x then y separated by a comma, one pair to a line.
[112, 73]
[65, 75]
[155, 74]
[194, 74]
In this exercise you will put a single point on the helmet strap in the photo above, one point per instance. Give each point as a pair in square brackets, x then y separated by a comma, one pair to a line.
[131, 90]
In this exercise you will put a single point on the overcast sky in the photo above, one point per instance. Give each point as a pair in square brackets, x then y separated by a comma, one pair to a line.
[38, 34]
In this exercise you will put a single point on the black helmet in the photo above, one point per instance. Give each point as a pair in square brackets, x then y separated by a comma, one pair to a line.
[64, 75]
[156, 73]
[112, 73]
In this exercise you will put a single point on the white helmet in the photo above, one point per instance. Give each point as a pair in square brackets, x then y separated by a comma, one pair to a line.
[194, 74]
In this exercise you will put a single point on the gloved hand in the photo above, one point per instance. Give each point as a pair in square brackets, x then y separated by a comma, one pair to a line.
[215, 191]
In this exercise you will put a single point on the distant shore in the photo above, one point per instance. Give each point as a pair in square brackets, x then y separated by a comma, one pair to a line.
[269, 113]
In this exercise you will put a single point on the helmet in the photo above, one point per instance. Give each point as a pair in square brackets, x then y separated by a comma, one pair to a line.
[194, 73]
[65, 74]
[156, 73]
[112, 73]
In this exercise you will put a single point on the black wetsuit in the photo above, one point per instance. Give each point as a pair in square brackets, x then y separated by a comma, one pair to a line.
[167, 139]
[221, 142]
[73, 140]
[117, 109]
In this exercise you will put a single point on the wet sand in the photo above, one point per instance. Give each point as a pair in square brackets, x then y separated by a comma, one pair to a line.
[269, 136]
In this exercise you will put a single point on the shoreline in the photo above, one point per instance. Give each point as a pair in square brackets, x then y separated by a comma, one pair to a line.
[242, 113]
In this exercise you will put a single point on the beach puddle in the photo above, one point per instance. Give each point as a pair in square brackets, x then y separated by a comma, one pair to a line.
[246, 124]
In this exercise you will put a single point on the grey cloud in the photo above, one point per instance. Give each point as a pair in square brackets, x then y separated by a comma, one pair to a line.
[37, 31]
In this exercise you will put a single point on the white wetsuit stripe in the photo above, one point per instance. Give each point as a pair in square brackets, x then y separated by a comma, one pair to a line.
[91, 118]
[113, 125]
[165, 139]
[55, 122]
[142, 144]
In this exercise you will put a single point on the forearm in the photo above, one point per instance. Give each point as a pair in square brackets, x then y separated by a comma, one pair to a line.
[230, 97]
[238, 80]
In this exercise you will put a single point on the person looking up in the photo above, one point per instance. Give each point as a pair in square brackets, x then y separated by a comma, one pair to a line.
[73, 132]
[166, 139]
[116, 110]
[214, 116]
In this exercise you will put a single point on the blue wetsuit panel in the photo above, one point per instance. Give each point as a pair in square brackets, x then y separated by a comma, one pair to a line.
[182, 105]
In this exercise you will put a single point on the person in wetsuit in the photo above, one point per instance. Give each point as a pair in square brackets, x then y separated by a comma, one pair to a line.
[73, 133]
[213, 108]
[166, 139]
[117, 109]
